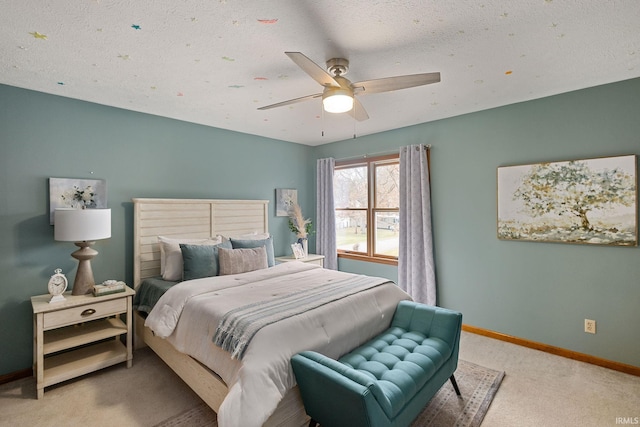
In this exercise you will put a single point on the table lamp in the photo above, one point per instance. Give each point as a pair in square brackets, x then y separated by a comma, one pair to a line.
[84, 227]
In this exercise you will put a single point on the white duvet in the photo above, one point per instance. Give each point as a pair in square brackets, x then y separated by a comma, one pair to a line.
[188, 314]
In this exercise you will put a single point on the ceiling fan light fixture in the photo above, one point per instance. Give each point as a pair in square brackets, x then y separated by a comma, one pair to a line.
[337, 101]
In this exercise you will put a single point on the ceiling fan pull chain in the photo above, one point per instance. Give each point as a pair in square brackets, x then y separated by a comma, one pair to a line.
[355, 122]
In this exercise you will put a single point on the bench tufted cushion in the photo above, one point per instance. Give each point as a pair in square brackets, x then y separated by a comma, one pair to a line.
[401, 361]
[403, 358]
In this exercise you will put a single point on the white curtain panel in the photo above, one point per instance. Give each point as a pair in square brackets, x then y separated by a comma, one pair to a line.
[325, 214]
[416, 270]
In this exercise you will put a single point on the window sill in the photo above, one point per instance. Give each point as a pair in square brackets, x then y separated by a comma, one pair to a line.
[365, 258]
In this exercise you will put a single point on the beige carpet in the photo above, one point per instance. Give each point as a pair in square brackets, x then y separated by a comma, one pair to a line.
[539, 389]
[477, 384]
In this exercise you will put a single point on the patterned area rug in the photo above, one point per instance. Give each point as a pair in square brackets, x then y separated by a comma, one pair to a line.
[477, 384]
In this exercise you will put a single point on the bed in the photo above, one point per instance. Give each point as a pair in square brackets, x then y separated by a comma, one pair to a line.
[209, 369]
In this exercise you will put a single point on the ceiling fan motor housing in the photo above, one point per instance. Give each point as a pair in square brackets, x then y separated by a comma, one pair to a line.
[338, 66]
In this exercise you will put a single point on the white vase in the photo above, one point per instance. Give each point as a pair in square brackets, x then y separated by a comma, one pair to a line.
[305, 246]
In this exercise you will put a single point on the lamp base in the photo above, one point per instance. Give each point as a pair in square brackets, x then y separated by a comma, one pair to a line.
[84, 282]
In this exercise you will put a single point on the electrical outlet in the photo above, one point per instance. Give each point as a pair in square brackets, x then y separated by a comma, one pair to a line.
[590, 326]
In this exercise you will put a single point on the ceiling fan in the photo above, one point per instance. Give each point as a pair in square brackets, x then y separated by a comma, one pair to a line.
[339, 93]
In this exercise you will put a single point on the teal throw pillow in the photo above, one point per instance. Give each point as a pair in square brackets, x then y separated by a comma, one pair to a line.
[247, 244]
[201, 260]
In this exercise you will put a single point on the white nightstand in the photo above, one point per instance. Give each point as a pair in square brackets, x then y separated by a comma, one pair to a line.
[87, 327]
[311, 258]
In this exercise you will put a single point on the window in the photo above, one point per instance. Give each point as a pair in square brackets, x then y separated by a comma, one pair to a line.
[366, 192]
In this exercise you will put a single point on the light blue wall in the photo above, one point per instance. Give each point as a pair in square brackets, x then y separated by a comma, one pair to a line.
[139, 155]
[537, 291]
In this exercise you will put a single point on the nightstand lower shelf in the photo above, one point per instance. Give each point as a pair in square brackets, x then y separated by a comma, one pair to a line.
[84, 333]
[71, 364]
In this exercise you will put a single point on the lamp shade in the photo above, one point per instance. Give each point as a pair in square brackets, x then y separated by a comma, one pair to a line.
[337, 100]
[78, 225]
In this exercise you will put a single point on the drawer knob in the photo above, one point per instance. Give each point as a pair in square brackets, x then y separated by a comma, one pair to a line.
[88, 312]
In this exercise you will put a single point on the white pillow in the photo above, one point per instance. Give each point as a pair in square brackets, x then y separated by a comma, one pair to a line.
[171, 264]
[252, 236]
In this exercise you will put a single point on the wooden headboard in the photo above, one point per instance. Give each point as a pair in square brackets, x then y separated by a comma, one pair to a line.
[188, 218]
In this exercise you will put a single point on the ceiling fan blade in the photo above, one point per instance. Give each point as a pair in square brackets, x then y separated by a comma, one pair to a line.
[291, 101]
[314, 70]
[395, 83]
[358, 112]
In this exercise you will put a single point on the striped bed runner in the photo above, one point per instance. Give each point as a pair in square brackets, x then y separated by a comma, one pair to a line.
[238, 326]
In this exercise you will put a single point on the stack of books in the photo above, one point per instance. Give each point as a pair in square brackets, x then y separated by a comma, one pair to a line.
[108, 287]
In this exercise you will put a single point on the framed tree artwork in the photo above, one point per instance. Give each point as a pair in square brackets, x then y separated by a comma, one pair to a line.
[593, 201]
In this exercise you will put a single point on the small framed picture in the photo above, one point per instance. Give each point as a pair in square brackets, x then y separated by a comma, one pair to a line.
[76, 193]
[285, 199]
[298, 252]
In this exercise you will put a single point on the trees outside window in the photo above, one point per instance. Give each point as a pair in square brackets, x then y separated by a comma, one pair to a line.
[366, 197]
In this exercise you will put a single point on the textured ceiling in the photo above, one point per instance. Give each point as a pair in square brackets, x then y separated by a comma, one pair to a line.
[214, 62]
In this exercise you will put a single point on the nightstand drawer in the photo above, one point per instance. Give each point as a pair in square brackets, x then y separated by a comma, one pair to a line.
[84, 313]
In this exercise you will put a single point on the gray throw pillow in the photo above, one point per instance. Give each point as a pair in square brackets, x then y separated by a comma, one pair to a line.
[236, 261]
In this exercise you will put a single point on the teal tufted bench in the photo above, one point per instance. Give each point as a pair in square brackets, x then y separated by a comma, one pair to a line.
[388, 380]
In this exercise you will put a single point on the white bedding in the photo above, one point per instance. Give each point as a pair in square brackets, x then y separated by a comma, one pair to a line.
[188, 315]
